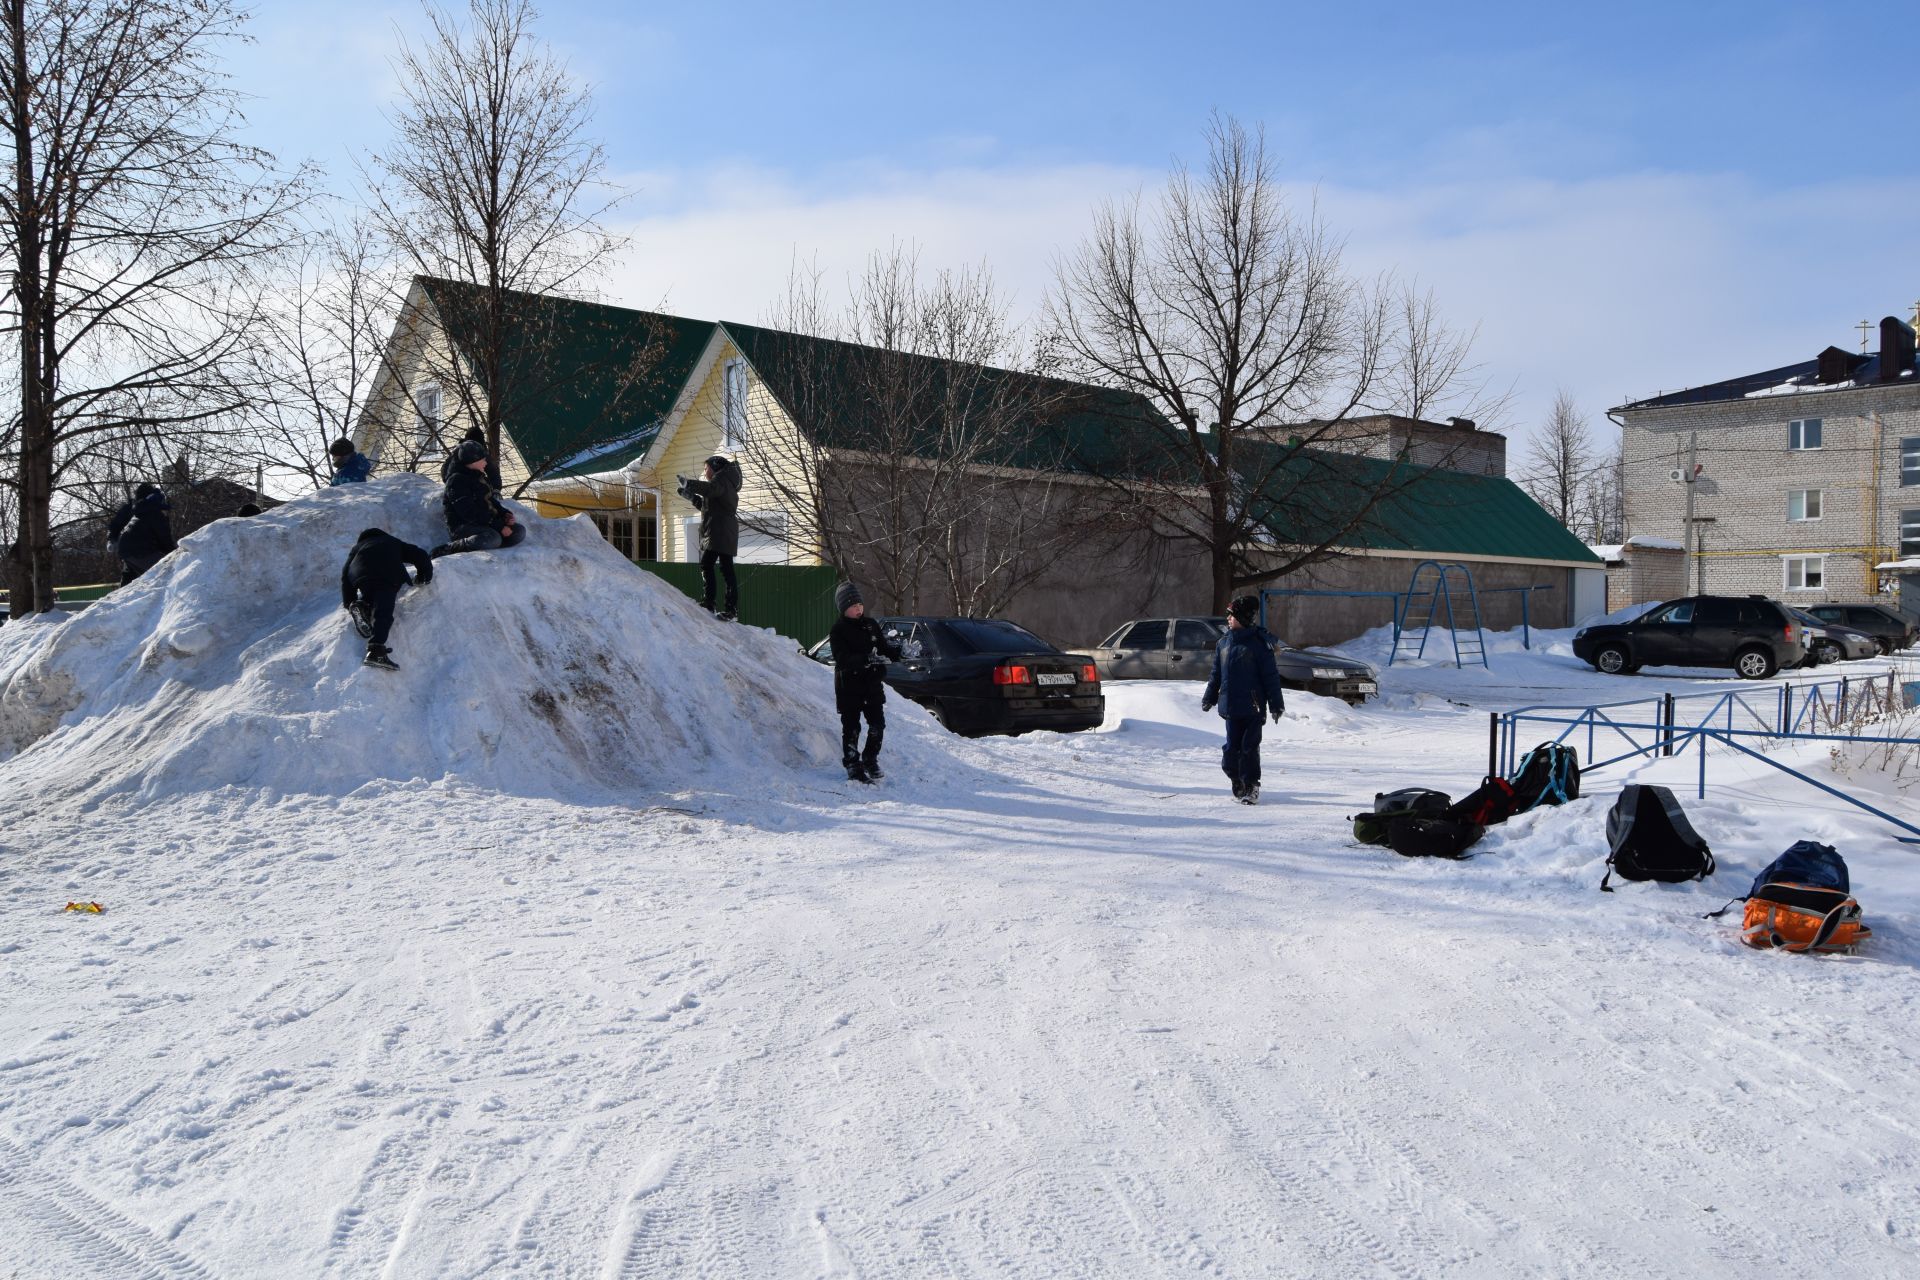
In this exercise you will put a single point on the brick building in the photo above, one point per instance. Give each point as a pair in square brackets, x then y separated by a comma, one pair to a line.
[1804, 478]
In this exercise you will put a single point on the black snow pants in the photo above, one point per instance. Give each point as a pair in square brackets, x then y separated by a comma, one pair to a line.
[478, 537]
[859, 694]
[707, 560]
[1240, 758]
[378, 601]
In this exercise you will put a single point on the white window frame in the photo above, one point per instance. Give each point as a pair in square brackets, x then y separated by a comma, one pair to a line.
[1909, 461]
[1812, 503]
[429, 408]
[733, 405]
[780, 545]
[690, 537]
[1789, 563]
[1797, 435]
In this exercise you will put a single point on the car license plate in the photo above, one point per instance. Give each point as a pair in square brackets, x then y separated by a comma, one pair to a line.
[1359, 686]
[1053, 677]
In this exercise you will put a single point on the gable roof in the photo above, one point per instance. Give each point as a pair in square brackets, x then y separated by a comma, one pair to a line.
[592, 382]
[1861, 370]
[832, 390]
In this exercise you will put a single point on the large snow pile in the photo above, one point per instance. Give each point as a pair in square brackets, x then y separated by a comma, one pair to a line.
[551, 669]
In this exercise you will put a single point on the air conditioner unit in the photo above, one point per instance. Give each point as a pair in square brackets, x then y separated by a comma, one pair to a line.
[1676, 475]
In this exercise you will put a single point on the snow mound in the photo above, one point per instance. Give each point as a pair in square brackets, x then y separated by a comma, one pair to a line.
[552, 669]
[1167, 713]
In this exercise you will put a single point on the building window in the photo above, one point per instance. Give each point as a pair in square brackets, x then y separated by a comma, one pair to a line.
[1803, 433]
[1910, 462]
[1805, 573]
[734, 405]
[1909, 534]
[763, 537]
[633, 535]
[1803, 504]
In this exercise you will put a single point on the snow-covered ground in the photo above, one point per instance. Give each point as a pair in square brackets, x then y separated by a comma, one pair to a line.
[1047, 1006]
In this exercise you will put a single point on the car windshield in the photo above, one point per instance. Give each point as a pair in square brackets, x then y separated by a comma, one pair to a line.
[990, 635]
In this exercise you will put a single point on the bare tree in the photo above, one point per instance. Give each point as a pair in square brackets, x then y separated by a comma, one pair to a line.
[493, 181]
[1603, 499]
[131, 219]
[918, 458]
[1560, 461]
[1231, 314]
[330, 312]
[1428, 364]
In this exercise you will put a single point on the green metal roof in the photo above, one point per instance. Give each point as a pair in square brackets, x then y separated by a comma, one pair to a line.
[1425, 509]
[844, 396]
[588, 385]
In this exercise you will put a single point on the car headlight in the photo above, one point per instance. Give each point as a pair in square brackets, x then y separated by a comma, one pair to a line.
[1331, 673]
[1581, 634]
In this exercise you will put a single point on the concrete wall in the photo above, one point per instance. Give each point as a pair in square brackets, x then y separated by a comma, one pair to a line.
[1646, 573]
[1311, 620]
[1750, 471]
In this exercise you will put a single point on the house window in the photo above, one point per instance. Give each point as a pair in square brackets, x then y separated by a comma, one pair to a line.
[1805, 573]
[734, 405]
[1803, 504]
[1909, 534]
[763, 538]
[426, 403]
[1803, 433]
[1910, 462]
[633, 535]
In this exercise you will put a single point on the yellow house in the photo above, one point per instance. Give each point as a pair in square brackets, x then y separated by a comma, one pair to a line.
[609, 406]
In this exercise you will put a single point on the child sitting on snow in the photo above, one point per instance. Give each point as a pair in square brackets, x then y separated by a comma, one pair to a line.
[861, 652]
[375, 571]
[475, 519]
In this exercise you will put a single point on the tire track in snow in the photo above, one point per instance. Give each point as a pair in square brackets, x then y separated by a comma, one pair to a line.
[110, 1245]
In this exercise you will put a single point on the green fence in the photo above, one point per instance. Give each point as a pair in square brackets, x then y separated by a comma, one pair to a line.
[68, 597]
[795, 600]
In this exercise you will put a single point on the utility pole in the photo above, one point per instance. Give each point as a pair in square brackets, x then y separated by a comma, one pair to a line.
[1688, 475]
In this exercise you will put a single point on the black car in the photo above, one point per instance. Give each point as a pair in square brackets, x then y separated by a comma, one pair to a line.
[1889, 630]
[1752, 634]
[1182, 649]
[984, 675]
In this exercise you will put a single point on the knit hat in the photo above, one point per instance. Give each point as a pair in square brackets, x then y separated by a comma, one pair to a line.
[716, 462]
[845, 596]
[475, 433]
[468, 453]
[145, 491]
[1246, 609]
[340, 448]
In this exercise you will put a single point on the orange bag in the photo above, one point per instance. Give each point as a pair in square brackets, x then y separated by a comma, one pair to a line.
[1802, 917]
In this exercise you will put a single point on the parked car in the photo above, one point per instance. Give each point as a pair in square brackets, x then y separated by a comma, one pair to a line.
[1751, 634]
[1831, 642]
[1889, 630]
[1182, 649]
[983, 675]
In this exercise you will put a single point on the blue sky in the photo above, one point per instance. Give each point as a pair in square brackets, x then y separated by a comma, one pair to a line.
[1623, 197]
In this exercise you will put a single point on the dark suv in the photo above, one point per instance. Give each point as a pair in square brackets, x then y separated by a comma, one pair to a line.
[1889, 630]
[1751, 634]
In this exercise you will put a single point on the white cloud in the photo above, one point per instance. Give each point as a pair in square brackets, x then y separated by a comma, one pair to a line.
[1612, 287]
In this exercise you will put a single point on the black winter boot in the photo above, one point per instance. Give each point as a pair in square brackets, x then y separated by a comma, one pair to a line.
[382, 657]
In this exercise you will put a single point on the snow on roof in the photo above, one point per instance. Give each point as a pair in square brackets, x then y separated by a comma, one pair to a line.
[554, 669]
[1607, 551]
[1910, 565]
[1656, 544]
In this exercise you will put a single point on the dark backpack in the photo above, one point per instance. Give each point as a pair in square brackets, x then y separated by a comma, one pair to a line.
[1649, 838]
[1548, 774]
[1802, 902]
[1490, 803]
[1436, 836]
[1371, 828]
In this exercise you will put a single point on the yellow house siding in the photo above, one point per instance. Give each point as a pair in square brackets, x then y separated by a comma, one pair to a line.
[698, 437]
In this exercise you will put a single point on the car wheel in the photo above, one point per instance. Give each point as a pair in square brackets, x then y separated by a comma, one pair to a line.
[1754, 664]
[1612, 660]
[1831, 652]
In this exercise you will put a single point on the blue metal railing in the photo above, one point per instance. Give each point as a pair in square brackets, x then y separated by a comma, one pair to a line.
[1727, 718]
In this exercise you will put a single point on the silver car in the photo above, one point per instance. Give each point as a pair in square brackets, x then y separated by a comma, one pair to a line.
[1182, 649]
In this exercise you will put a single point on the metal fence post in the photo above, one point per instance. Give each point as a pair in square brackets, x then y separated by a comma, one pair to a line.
[1493, 742]
[1666, 735]
[1701, 793]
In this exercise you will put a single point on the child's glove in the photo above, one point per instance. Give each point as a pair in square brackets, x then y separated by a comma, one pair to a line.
[1207, 701]
[1277, 713]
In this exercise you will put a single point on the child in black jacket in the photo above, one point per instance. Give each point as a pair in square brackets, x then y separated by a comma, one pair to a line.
[375, 571]
[861, 652]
